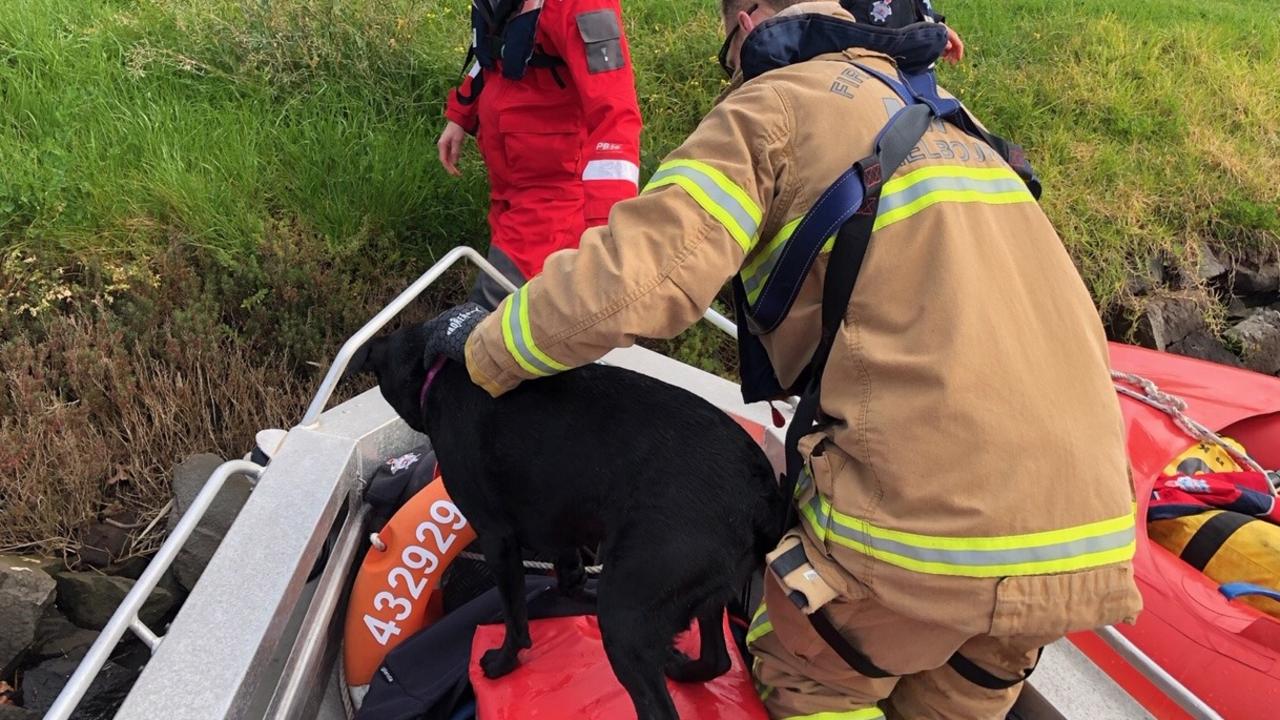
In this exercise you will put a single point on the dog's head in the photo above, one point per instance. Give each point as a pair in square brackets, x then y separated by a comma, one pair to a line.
[397, 361]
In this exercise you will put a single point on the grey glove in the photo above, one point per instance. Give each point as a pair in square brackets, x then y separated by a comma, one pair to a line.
[447, 333]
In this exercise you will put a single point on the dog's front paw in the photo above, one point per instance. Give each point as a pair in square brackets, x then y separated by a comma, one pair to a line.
[498, 662]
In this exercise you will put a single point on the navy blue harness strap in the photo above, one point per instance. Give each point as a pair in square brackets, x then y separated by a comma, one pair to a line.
[849, 193]
[836, 205]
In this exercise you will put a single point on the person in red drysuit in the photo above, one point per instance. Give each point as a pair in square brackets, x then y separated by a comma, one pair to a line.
[551, 100]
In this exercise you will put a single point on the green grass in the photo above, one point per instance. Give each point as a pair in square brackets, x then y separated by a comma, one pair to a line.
[131, 125]
[223, 189]
[1155, 125]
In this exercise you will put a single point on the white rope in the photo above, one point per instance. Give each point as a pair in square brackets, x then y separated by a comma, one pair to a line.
[1175, 408]
[534, 564]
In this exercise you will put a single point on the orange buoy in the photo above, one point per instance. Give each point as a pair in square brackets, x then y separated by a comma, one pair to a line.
[397, 591]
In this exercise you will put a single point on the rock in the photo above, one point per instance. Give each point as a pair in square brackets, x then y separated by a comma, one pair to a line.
[1168, 319]
[102, 544]
[1237, 309]
[188, 478]
[89, 599]
[1209, 266]
[13, 712]
[131, 568]
[1203, 345]
[25, 591]
[1147, 282]
[41, 685]
[1258, 337]
[1256, 275]
[56, 637]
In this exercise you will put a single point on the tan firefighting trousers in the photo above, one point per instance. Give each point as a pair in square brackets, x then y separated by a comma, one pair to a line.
[800, 677]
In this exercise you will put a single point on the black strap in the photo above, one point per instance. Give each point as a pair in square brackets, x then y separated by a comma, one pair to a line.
[969, 670]
[1209, 538]
[845, 649]
[843, 266]
[540, 59]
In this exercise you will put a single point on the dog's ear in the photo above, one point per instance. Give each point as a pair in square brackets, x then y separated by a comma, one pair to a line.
[360, 362]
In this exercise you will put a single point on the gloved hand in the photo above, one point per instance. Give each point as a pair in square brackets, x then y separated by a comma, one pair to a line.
[447, 332]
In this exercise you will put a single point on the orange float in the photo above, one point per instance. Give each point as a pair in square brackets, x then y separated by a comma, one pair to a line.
[397, 591]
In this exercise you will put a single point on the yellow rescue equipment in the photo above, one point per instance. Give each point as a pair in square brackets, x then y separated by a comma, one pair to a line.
[1228, 547]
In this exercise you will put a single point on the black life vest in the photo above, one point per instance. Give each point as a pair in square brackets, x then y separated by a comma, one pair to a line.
[506, 31]
[891, 13]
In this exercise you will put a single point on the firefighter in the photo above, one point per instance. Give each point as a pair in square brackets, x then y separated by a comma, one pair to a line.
[967, 381]
[551, 100]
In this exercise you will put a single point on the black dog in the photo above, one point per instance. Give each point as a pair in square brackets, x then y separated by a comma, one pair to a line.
[684, 503]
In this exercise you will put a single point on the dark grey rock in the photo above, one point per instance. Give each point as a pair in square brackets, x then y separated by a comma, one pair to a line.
[41, 685]
[131, 568]
[1203, 345]
[1237, 309]
[1167, 319]
[188, 478]
[1256, 275]
[25, 591]
[89, 599]
[57, 637]
[101, 544]
[1210, 267]
[13, 712]
[1258, 337]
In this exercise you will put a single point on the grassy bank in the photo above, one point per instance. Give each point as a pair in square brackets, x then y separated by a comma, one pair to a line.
[198, 198]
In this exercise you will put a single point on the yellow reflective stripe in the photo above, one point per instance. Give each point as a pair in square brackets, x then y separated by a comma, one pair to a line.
[1002, 542]
[760, 625]
[900, 182]
[518, 338]
[905, 196]
[871, 713]
[901, 198]
[723, 182]
[528, 335]
[717, 194]
[756, 273]
[1085, 546]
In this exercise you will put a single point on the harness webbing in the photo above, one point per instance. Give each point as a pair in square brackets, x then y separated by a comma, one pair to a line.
[768, 304]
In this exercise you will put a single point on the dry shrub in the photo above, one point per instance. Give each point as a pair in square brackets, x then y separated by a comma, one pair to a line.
[91, 427]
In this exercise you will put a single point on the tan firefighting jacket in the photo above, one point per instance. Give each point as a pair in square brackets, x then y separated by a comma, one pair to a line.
[977, 475]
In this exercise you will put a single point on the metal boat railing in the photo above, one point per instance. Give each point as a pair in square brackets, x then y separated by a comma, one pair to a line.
[125, 618]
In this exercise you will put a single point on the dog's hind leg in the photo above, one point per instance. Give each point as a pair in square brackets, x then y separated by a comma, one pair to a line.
[571, 576]
[636, 653]
[502, 553]
[713, 660]
[636, 634]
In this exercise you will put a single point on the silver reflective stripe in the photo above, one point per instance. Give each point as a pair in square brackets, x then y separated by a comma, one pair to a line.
[518, 338]
[914, 192]
[708, 185]
[762, 273]
[1013, 556]
[612, 170]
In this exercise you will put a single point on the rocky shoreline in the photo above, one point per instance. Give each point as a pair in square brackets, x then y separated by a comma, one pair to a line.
[55, 608]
